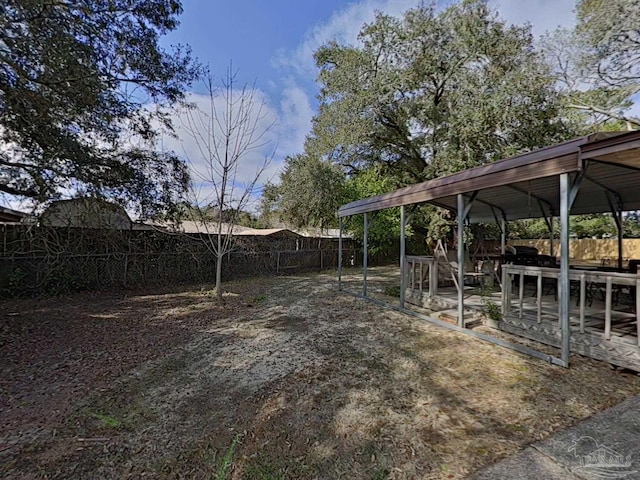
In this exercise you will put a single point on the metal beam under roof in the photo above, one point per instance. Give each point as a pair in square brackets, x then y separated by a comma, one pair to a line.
[614, 161]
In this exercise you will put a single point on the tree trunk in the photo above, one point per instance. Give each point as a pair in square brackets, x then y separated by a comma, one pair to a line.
[219, 254]
[219, 277]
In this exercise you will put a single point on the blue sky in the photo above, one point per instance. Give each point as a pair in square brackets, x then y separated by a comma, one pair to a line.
[251, 33]
[272, 43]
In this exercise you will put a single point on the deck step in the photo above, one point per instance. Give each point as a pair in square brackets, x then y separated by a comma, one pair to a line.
[451, 316]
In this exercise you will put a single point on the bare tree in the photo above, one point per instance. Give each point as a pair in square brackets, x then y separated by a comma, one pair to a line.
[227, 133]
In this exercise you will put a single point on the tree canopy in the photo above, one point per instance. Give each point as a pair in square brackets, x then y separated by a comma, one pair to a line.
[611, 30]
[82, 86]
[597, 64]
[432, 93]
[308, 195]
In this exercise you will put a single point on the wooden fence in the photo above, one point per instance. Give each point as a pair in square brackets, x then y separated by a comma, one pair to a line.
[587, 249]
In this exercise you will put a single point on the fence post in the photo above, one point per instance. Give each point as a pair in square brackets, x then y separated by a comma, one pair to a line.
[340, 253]
[126, 270]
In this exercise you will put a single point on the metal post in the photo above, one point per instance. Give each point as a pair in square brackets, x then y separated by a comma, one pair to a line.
[461, 265]
[340, 253]
[620, 234]
[503, 236]
[403, 272]
[615, 205]
[564, 267]
[551, 236]
[365, 255]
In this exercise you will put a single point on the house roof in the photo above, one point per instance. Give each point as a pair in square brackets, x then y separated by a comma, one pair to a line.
[527, 186]
[190, 226]
[85, 212]
[331, 233]
[265, 232]
[211, 228]
[8, 215]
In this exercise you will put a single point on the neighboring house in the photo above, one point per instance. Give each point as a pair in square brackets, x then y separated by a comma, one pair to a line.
[7, 215]
[86, 213]
[246, 237]
[326, 238]
[211, 228]
[312, 232]
[269, 239]
[208, 228]
[267, 232]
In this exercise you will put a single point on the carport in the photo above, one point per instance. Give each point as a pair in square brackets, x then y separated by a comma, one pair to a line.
[592, 174]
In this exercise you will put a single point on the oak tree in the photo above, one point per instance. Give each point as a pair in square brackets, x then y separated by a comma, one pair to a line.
[434, 92]
[308, 195]
[597, 64]
[83, 84]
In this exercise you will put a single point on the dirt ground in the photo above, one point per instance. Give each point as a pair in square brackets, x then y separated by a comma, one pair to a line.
[287, 379]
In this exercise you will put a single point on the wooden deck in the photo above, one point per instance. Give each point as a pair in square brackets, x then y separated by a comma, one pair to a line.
[605, 327]
[621, 349]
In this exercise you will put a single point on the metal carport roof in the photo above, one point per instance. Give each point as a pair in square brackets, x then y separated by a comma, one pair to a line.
[527, 186]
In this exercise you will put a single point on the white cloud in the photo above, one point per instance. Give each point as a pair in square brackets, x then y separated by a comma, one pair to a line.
[343, 26]
[296, 114]
[285, 125]
[543, 15]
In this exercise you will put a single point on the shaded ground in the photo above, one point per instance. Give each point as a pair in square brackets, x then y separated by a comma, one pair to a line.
[287, 379]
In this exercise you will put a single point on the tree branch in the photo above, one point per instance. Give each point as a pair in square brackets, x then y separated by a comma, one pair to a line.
[594, 109]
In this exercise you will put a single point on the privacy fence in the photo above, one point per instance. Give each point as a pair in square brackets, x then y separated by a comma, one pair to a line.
[600, 250]
[47, 260]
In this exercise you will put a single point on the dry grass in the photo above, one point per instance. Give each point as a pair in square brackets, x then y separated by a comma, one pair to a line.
[287, 379]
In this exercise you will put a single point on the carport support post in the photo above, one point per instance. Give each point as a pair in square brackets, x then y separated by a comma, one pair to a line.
[461, 265]
[564, 267]
[551, 234]
[548, 220]
[340, 253]
[403, 273]
[503, 236]
[615, 204]
[365, 255]
[619, 225]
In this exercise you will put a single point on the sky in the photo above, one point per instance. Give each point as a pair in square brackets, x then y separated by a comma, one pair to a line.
[271, 45]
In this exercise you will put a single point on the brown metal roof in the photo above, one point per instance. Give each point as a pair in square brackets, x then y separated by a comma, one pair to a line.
[527, 186]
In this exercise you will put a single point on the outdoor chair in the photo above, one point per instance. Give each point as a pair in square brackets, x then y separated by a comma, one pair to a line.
[475, 278]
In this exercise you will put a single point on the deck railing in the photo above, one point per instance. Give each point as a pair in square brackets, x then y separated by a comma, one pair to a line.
[421, 272]
[583, 283]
